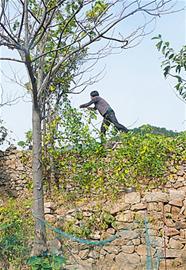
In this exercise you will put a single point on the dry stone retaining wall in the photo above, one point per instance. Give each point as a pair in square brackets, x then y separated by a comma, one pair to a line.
[165, 212]
[15, 172]
[164, 209]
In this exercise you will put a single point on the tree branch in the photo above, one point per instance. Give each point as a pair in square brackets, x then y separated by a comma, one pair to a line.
[12, 59]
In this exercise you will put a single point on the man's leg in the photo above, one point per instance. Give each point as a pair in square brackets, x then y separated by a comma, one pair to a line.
[105, 125]
[112, 118]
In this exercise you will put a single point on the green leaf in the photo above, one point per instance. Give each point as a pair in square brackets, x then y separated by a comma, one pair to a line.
[166, 70]
[178, 68]
[179, 78]
[171, 56]
[21, 143]
[159, 44]
[158, 37]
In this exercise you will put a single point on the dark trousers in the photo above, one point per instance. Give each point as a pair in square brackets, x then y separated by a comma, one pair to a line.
[109, 118]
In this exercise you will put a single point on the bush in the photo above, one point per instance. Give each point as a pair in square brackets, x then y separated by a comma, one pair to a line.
[16, 233]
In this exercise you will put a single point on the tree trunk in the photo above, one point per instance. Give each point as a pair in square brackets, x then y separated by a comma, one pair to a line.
[40, 245]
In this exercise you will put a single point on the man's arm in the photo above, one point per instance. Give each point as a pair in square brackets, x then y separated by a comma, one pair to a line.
[87, 104]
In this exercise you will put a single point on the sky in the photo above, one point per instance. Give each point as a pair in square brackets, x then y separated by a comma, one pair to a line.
[133, 84]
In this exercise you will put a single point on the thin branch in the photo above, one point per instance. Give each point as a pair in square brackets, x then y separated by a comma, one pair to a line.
[12, 59]
[21, 25]
[10, 101]
[61, 35]
[8, 33]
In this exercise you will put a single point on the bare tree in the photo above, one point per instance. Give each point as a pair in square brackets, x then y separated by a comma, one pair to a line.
[51, 35]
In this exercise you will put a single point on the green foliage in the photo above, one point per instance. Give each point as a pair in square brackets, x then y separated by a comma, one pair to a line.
[15, 232]
[86, 226]
[154, 130]
[97, 10]
[48, 262]
[142, 157]
[174, 64]
[70, 130]
[3, 133]
[139, 159]
[27, 144]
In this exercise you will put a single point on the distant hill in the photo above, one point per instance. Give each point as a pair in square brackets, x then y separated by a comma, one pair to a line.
[155, 130]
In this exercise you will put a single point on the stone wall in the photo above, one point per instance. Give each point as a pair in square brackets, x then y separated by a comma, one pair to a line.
[15, 172]
[163, 210]
[158, 217]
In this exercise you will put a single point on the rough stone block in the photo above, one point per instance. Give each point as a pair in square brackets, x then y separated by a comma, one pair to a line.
[156, 197]
[132, 198]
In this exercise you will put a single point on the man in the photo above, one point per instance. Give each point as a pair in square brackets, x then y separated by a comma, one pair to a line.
[106, 111]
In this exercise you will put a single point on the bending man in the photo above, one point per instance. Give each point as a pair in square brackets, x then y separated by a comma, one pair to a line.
[106, 111]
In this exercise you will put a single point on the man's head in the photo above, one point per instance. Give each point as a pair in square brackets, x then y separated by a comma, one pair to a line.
[94, 94]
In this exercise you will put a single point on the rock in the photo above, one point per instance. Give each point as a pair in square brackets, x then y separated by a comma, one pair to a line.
[103, 252]
[169, 223]
[180, 225]
[156, 197]
[172, 253]
[176, 195]
[106, 263]
[50, 205]
[171, 231]
[136, 242]
[158, 242]
[128, 249]
[127, 216]
[48, 210]
[132, 259]
[83, 254]
[128, 234]
[160, 206]
[183, 233]
[69, 218]
[183, 255]
[96, 235]
[141, 250]
[86, 214]
[132, 198]
[18, 188]
[60, 212]
[139, 206]
[184, 202]
[176, 202]
[116, 207]
[54, 246]
[181, 179]
[120, 242]
[175, 244]
[50, 218]
[178, 185]
[112, 249]
[180, 172]
[152, 206]
[171, 264]
[122, 226]
[93, 255]
[175, 212]
[110, 231]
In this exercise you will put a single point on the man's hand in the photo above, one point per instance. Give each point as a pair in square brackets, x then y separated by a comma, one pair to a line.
[91, 109]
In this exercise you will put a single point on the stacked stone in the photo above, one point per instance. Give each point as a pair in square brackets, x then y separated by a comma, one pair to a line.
[14, 174]
[166, 215]
[164, 208]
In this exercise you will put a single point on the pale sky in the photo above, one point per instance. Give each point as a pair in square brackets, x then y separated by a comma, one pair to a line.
[133, 84]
